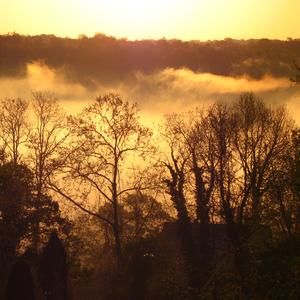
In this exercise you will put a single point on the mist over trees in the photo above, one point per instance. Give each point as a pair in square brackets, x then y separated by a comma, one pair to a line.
[204, 207]
[106, 59]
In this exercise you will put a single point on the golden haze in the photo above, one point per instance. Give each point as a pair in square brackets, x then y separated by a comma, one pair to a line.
[141, 19]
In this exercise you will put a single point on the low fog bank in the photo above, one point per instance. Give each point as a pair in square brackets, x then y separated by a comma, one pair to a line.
[89, 61]
[165, 91]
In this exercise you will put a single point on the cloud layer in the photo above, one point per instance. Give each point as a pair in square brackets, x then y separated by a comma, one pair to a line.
[164, 91]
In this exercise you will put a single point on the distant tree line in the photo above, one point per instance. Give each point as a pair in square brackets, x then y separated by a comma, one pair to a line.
[106, 59]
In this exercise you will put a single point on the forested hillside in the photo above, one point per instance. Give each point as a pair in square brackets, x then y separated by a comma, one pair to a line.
[101, 58]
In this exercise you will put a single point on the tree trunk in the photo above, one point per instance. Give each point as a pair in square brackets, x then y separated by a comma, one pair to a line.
[116, 224]
[116, 230]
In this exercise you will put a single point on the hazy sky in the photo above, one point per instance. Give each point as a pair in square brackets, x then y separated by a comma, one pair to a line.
[138, 19]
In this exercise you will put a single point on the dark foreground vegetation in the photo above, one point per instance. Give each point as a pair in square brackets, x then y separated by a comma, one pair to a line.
[98, 206]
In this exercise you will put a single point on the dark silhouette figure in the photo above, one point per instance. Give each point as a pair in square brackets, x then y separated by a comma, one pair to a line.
[52, 274]
[20, 284]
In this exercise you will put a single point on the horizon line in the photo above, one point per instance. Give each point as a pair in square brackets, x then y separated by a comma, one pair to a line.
[163, 38]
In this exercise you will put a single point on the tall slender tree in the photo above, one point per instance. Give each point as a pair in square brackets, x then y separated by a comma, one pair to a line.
[47, 137]
[107, 137]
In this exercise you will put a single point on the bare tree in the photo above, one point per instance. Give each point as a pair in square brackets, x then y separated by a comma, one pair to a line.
[176, 165]
[13, 127]
[203, 163]
[106, 137]
[47, 137]
[190, 144]
[190, 165]
[251, 139]
[261, 139]
[221, 126]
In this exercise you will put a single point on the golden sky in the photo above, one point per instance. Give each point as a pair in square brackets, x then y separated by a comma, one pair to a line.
[141, 19]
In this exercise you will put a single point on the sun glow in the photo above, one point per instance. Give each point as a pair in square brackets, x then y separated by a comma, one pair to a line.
[142, 19]
[137, 10]
[135, 16]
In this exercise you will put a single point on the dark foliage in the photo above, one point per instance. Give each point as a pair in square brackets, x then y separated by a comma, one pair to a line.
[16, 203]
[52, 273]
[103, 58]
[275, 272]
[20, 285]
[232, 180]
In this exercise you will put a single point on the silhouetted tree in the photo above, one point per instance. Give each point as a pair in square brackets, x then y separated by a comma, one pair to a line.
[16, 205]
[105, 135]
[144, 216]
[141, 216]
[19, 210]
[284, 188]
[191, 134]
[221, 127]
[176, 180]
[13, 128]
[15, 200]
[47, 136]
[261, 139]
[296, 163]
